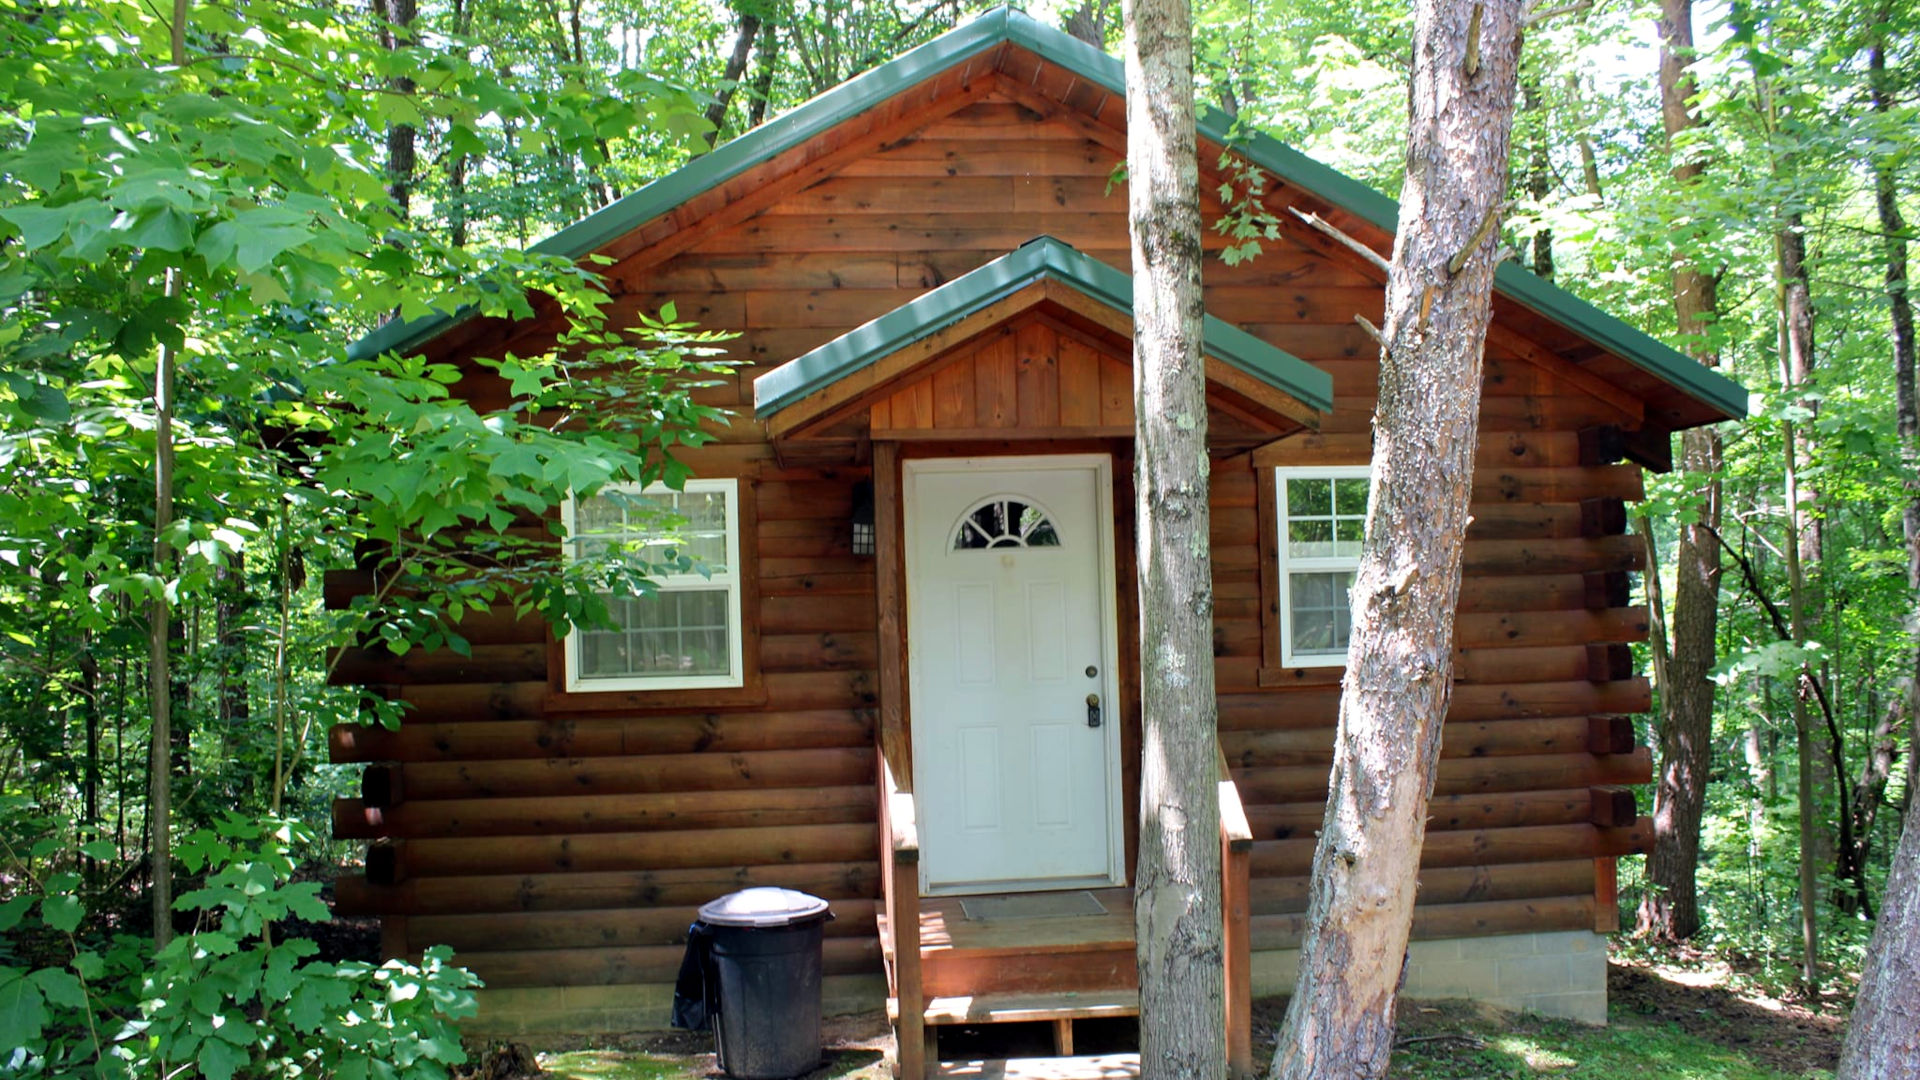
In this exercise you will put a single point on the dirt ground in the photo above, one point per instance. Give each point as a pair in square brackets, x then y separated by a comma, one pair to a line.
[1780, 1035]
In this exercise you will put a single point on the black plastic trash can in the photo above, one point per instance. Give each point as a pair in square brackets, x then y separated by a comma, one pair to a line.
[765, 956]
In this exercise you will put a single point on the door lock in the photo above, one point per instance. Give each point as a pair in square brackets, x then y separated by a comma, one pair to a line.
[1093, 710]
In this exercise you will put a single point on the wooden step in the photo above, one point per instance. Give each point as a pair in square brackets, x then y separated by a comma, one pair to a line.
[1026, 1008]
[961, 957]
[1093, 1067]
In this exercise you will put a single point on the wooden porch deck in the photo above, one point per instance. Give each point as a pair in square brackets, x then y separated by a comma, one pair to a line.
[947, 966]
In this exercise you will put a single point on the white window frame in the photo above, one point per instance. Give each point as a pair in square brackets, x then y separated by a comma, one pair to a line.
[736, 674]
[1290, 566]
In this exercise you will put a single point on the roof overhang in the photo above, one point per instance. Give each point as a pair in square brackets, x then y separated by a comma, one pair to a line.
[834, 377]
[972, 43]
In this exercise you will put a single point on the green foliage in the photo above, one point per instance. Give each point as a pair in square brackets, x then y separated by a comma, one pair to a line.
[228, 999]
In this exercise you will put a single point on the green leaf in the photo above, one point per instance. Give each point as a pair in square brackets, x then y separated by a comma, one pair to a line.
[12, 911]
[23, 1012]
[162, 228]
[220, 1059]
[99, 849]
[60, 987]
[63, 913]
[40, 226]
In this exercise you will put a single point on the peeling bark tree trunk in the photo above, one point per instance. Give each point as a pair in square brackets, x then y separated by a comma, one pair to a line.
[1671, 908]
[1177, 881]
[1405, 593]
[1883, 1035]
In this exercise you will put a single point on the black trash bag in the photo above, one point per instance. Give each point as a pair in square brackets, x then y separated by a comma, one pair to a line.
[696, 992]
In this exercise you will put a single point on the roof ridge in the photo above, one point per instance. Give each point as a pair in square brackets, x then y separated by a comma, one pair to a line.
[1005, 24]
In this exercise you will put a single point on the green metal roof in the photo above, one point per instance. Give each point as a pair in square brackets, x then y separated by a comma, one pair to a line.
[976, 37]
[1033, 261]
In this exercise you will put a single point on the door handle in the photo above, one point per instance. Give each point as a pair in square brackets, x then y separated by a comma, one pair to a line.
[1093, 710]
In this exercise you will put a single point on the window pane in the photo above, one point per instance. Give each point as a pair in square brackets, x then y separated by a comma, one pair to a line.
[1005, 523]
[1348, 532]
[1350, 496]
[1312, 631]
[674, 632]
[1311, 538]
[1309, 497]
[1319, 615]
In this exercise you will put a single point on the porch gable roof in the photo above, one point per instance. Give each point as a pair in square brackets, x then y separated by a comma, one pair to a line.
[1303, 391]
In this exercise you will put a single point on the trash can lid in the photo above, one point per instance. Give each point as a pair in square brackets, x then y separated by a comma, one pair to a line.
[764, 906]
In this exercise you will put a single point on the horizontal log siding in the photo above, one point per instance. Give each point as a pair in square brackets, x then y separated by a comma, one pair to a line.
[571, 849]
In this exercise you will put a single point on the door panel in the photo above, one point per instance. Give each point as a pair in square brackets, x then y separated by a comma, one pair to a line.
[1010, 628]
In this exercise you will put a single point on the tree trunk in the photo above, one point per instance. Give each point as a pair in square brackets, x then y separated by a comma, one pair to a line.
[396, 31]
[1796, 367]
[159, 678]
[1405, 593]
[457, 164]
[1883, 1035]
[1088, 22]
[1539, 179]
[1177, 881]
[730, 78]
[1589, 165]
[1893, 230]
[769, 57]
[1670, 909]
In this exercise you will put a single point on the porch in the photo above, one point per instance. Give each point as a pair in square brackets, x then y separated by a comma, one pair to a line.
[1050, 957]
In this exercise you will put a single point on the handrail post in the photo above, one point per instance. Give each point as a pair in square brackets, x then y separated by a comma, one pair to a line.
[1236, 864]
[900, 883]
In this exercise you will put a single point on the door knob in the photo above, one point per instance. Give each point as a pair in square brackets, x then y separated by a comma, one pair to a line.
[1093, 710]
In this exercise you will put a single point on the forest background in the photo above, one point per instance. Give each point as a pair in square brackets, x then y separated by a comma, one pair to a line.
[202, 207]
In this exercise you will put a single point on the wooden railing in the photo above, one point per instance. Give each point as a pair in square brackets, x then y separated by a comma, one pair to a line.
[900, 892]
[1236, 865]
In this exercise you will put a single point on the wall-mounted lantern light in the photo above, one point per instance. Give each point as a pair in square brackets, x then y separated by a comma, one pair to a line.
[863, 518]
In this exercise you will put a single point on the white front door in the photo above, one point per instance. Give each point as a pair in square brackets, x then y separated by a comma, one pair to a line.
[1010, 624]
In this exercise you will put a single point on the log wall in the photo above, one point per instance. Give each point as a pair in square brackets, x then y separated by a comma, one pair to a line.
[557, 840]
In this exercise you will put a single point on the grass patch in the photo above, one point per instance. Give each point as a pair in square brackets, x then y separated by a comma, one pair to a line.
[620, 1065]
[1528, 1047]
[846, 1064]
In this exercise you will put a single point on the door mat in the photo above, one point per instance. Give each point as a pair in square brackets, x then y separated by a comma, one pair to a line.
[1045, 905]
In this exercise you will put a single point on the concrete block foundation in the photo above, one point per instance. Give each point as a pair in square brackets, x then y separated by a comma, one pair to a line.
[1561, 973]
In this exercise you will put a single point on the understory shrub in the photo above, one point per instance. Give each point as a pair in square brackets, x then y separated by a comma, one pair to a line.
[226, 1000]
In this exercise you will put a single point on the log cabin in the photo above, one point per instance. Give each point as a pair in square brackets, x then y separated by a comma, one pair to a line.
[910, 683]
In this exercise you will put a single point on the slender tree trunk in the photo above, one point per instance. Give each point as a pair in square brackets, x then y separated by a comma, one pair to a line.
[1796, 368]
[282, 658]
[1670, 908]
[1893, 230]
[159, 677]
[1177, 881]
[1589, 164]
[1883, 1035]
[395, 18]
[768, 54]
[457, 163]
[730, 78]
[1399, 663]
[1539, 178]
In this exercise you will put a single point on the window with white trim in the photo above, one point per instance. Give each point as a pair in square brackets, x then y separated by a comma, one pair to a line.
[1323, 516]
[686, 634]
